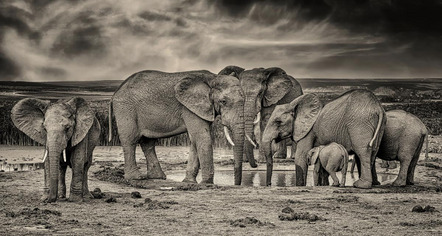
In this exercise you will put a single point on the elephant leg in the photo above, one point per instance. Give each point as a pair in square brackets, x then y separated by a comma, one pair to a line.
[131, 171]
[401, 179]
[316, 170]
[301, 163]
[323, 177]
[78, 158]
[412, 166]
[411, 169]
[193, 165]
[199, 133]
[62, 181]
[365, 176]
[344, 177]
[374, 175]
[86, 192]
[334, 177]
[154, 170]
[358, 164]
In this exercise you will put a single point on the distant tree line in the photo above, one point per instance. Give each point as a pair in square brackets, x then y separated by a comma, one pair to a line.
[429, 112]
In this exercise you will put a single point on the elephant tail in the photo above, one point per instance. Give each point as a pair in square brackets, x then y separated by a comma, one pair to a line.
[110, 122]
[378, 128]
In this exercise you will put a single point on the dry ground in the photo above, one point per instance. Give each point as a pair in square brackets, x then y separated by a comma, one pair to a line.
[172, 208]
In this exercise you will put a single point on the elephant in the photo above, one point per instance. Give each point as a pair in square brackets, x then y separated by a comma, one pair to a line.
[402, 141]
[355, 120]
[263, 90]
[153, 104]
[66, 126]
[332, 157]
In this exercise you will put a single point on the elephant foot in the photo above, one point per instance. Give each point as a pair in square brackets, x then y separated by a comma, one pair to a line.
[362, 184]
[75, 198]
[410, 183]
[88, 195]
[342, 185]
[189, 180]
[207, 181]
[376, 182]
[253, 164]
[156, 175]
[335, 184]
[398, 183]
[134, 175]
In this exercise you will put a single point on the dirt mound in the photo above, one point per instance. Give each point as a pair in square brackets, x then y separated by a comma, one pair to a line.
[420, 209]
[344, 198]
[250, 221]
[288, 214]
[150, 204]
[33, 213]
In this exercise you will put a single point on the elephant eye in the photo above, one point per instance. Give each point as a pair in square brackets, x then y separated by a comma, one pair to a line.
[223, 102]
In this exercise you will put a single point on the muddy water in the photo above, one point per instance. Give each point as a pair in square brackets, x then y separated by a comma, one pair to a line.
[279, 178]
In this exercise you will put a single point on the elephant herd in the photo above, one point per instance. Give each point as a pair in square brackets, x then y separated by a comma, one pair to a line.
[152, 104]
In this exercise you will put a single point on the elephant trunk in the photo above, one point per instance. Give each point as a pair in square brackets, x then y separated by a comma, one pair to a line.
[54, 162]
[249, 119]
[238, 151]
[266, 148]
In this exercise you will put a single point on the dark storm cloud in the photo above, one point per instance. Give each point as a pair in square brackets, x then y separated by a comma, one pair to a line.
[82, 40]
[393, 16]
[42, 39]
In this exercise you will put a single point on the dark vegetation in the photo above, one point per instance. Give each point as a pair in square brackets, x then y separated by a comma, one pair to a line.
[421, 97]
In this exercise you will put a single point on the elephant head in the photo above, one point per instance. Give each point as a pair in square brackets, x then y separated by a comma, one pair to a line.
[293, 120]
[56, 125]
[221, 96]
[313, 155]
[262, 88]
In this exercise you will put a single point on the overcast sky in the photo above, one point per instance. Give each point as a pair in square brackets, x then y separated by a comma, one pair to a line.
[44, 40]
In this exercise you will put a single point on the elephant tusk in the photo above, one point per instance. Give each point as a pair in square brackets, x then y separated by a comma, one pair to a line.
[257, 119]
[250, 140]
[64, 155]
[226, 132]
[45, 155]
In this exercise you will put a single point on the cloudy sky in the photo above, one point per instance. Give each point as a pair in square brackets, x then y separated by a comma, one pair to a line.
[49, 40]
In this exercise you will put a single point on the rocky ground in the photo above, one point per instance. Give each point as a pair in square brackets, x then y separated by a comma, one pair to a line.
[171, 208]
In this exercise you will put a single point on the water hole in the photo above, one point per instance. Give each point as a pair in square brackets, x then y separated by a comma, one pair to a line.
[279, 178]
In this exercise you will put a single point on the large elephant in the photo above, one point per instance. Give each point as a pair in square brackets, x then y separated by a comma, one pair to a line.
[402, 141]
[153, 104]
[66, 126]
[355, 120]
[264, 89]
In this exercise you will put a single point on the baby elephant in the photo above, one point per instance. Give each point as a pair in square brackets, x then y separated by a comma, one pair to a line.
[332, 157]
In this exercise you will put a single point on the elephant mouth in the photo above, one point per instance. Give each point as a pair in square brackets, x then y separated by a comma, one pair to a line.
[279, 138]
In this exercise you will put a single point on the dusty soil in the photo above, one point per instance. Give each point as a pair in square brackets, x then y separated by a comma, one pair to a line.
[172, 208]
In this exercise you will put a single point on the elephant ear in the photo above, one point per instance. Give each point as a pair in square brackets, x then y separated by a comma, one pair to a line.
[278, 85]
[307, 108]
[228, 70]
[194, 93]
[84, 118]
[28, 116]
